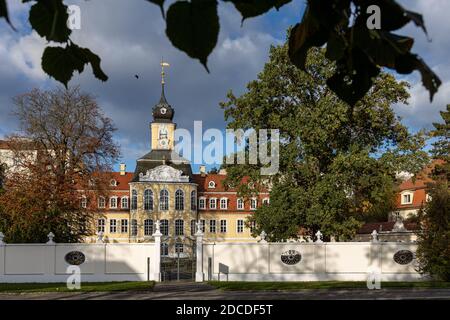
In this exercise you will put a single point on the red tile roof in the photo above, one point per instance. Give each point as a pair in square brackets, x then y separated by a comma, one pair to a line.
[385, 226]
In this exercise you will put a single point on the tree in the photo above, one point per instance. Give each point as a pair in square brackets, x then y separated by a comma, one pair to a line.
[337, 162]
[358, 35]
[441, 147]
[433, 252]
[62, 155]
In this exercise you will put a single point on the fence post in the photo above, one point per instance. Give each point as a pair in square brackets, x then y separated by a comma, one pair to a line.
[199, 276]
[157, 253]
[50, 256]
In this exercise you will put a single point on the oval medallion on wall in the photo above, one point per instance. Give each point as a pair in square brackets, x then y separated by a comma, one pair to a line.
[403, 257]
[75, 258]
[291, 257]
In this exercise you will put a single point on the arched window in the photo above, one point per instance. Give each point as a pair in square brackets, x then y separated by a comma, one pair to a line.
[193, 200]
[223, 203]
[179, 200]
[164, 227]
[148, 199]
[124, 203]
[101, 202]
[148, 227]
[83, 202]
[179, 227]
[133, 200]
[164, 200]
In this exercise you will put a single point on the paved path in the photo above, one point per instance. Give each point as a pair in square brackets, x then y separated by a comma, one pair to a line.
[194, 291]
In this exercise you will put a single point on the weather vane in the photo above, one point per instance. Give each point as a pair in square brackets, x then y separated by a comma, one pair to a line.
[163, 64]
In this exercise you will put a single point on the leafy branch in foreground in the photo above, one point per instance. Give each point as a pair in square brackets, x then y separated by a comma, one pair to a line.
[193, 27]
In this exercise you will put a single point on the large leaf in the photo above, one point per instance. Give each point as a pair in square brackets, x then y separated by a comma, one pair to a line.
[60, 63]
[159, 3]
[49, 19]
[4, 12]
[409, 62]
[351, 82]
[193, 27]
[254, 8]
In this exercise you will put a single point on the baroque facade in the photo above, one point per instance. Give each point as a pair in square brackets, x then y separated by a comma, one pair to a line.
[163, 188]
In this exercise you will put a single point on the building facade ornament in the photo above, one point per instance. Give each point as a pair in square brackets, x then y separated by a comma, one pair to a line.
[163, 173]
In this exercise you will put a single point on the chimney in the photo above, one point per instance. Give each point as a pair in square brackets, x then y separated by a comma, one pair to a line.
[123, 169]
[203, 170]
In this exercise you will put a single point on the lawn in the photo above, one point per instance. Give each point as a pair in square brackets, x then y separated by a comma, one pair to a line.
[239, 285]
[85, 287]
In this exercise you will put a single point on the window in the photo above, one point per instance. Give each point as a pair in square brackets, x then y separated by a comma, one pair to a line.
[101, 202]
[164, 200]
[179, 200]
[193, 200]
[193, 227]
[253, 204]
[113, 226]
[134, 227]
[101, 225]
[407, 198]
[124, 226]
[211, 185]
[240, 204]
[212, 226]
[113, 202]
[213, 203]
[148, 227]
[148, 200]
[252, 226]
[133, 200]
[240, 226]
[179, 247]
[83, 202]
[124, 203]
[223, 203]
[179, 227]
[113, 183]
[223, 226]
[164, 249]
[202, 225]
[202, 203]
[266, 201]
[164, 227]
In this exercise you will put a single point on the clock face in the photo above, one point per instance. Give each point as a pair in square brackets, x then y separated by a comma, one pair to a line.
[163, 110]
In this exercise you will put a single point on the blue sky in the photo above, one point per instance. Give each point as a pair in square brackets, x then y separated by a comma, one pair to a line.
[130, 38]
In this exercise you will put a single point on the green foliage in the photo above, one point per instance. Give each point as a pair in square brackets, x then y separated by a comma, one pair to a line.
[433, 252]
[193, 27]
[337, 162]
[359, 52]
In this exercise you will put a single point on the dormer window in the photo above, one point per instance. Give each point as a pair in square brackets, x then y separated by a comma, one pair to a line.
[428, 198]
[211, 185]
[407, 198]
[113, 183]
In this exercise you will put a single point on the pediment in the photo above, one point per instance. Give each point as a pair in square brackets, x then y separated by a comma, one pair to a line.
[163, 173]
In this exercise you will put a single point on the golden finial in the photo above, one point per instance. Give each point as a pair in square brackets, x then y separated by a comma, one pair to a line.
[163, 64]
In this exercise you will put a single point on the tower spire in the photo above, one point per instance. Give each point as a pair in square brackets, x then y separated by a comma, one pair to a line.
[163, 79]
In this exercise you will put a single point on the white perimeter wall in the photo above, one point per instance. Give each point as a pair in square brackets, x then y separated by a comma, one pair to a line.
[325, 261]
[104, 262]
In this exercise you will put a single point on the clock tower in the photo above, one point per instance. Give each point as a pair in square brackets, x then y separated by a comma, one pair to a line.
[162, 127]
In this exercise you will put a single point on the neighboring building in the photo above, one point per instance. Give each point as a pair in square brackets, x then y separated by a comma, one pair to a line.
[411, 197]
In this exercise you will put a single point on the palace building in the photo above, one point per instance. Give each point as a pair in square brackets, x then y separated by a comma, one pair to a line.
[163, 188]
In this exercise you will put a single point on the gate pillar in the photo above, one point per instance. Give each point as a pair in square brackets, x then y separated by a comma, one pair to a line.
[199, 276]
[157, 253]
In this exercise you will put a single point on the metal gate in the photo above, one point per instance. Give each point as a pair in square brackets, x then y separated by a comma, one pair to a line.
[176, 264]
